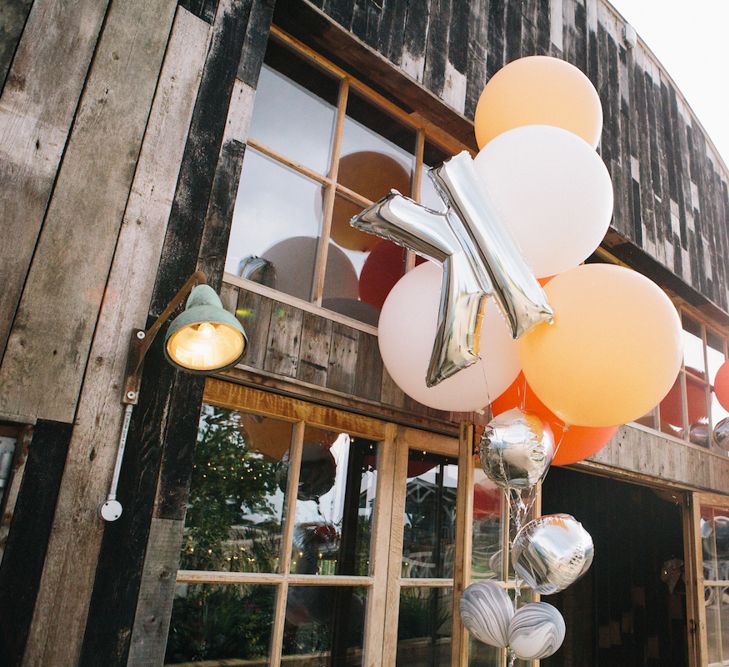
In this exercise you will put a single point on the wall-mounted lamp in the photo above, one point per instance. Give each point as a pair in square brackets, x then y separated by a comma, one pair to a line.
[204, 338]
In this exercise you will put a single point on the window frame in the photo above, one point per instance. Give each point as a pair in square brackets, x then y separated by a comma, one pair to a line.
[425, 133]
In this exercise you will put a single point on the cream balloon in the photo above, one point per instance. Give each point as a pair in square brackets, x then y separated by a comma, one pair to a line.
[539, 90]
[553, 193]
[406, 333]
[613, 351]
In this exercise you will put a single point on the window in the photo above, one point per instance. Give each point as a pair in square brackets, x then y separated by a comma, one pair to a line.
[714, 534]
[321, 147]
[690, 410]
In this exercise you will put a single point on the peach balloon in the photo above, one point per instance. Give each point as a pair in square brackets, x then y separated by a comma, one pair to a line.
[539, 90]
[613, 351]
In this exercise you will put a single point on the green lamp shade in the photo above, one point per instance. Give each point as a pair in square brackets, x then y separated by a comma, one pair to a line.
[205, 337]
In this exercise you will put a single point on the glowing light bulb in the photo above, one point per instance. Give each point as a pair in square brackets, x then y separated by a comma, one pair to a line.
[206, 330]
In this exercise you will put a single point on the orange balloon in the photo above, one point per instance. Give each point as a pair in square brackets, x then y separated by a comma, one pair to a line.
[538, 90]
[613, 351]
[371, 175]
[721, 385]
[575, 444]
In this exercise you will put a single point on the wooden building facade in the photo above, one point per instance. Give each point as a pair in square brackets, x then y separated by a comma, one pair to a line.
[145, 139]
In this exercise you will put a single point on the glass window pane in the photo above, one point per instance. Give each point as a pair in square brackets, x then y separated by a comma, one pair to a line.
[432, 157]
[693, 347]
[715, 358]
[277, 218]
[486, 549]
[221, 622]
[429, 533]
[361, 269]
[235, 511]
[424, 627]
[671, 410]
[708, 542]
[648, 419]
[377, 151]
[294, 109]
[712, 595]
[696, 395]
[335, 504]
[324, 625]
[481, 655]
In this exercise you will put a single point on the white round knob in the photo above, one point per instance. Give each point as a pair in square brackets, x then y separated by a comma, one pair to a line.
[111, 510]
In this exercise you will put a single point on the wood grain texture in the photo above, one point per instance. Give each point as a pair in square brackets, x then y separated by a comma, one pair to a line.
[25, 549]
[69, 573]
[35, 120]
[169, 402]
[13, 15]
[53, 328]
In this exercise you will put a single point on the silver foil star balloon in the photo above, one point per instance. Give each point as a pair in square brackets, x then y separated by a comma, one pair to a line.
[479, 259]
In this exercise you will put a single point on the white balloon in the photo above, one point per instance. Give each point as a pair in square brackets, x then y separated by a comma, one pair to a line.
[553, 192]
[487, 611]
[406, 333]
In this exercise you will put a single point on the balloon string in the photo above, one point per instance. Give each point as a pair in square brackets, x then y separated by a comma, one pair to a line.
[512, 658]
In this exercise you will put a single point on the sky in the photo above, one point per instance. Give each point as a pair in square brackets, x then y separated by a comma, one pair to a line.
[689, 38]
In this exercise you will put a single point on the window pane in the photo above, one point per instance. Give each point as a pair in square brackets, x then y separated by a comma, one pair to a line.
[219, 622]
[715, 358]
[432, 157]
[365, 270]
[671, 410]
[481, 655]
[693, 347]
[430, 516]
[324, 625]
[294, 109]
[424, 627]
[377, 151]
[335, 504]
[712, 601]
[486, 550]
[277, 217]
[696, 395]
[237, 493]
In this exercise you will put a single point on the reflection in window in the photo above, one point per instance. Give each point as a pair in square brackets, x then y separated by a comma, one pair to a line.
[324, 625]
[237, 494]
[335, 504]
[221, 622]
[486, 548]
[715, 358]
[424, 627]
[430, 516]
[295, 109]
[714, 529]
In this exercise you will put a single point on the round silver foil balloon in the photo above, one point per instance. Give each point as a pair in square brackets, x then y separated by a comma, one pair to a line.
[721, 434]
[536, 631]
[486, 611]
[516, 449]
[552, 552]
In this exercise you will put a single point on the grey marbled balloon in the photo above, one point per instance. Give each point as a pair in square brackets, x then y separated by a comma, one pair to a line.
[516, 449]
[536, 631]
[486, 611]
[552, 552]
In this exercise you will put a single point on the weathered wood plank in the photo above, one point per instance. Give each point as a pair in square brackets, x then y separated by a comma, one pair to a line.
[158, 592]
[343, 358]
[51, 336]
[254, 312]
[369, 368]
[284, 339]
[13, 15]
[167, 403]
[69, 573]
[25, 550]
[35, 119]
[316, 336]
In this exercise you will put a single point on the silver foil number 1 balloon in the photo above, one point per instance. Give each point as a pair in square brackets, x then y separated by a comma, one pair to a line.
[479, 259]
